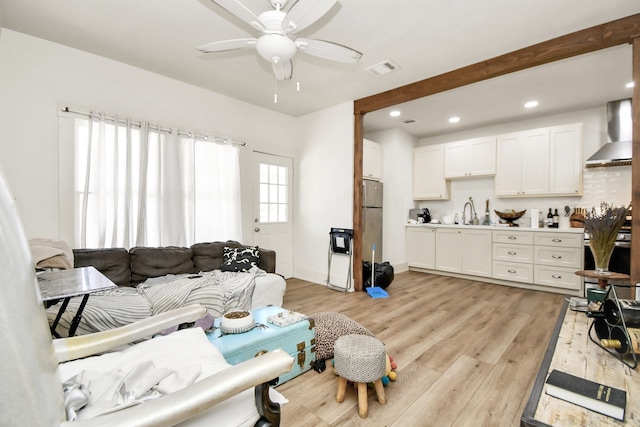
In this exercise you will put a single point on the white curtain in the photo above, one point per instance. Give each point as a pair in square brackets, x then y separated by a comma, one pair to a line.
[137, 186]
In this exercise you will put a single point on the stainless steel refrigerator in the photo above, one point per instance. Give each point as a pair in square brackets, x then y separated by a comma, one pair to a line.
[371, 220]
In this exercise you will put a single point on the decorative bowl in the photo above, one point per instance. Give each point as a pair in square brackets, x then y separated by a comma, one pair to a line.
[236, 322]
[510, 216]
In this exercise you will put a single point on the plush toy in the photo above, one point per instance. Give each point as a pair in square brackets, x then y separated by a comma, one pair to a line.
[390, 373]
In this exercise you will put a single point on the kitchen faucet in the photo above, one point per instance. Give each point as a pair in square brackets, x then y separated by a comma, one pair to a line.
[472, 213]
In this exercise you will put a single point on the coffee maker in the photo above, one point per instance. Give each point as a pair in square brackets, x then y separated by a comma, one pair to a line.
[425, 216]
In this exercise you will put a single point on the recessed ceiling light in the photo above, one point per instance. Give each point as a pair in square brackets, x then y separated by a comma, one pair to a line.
[454, 119]
[394, 113]
[531, 104]
[630, 85]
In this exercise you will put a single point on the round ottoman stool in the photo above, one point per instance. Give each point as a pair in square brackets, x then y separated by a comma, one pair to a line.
[360, 359]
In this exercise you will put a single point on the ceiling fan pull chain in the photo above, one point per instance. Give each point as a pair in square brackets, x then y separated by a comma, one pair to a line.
[275, 91]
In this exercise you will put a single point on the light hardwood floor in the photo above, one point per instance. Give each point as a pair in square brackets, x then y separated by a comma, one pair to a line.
[467, 352]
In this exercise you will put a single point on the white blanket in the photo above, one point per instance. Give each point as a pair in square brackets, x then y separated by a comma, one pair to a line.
[219, 292]
[92, 393]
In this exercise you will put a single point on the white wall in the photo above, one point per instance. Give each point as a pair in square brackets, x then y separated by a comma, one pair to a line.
[612, 185]
[397, 177]
[324, 191]
[35, 75]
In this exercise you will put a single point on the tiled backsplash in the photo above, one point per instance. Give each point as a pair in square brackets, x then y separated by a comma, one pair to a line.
[611, 185]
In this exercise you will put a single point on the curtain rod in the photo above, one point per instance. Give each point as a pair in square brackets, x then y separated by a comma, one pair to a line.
[154, 127]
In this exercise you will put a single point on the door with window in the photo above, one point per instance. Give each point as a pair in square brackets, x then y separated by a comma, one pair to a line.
[273, 207]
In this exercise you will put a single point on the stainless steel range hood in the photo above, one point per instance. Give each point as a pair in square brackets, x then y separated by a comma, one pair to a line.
[618, 151]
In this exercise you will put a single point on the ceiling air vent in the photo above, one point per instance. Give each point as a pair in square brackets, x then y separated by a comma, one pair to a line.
[383, 68]
[408, 121]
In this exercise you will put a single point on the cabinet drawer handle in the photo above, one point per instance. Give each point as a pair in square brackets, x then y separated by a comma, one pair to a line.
[512, 237]
[556, 240]
[512, 253]
[556, 276]
[556, 256]
[511, 271]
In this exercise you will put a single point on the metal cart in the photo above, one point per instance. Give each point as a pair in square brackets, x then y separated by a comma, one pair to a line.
[340, 243]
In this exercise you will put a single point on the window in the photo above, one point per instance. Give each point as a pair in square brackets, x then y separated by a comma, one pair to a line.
[139, 186]
[273, 193]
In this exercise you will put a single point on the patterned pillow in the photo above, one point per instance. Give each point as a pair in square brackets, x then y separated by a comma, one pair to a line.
[239, 259]
[329, 327]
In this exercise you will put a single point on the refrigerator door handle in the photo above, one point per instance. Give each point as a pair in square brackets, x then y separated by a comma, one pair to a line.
[364, 222]
[364, 194]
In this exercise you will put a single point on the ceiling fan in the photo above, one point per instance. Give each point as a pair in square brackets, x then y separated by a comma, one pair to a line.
[278, 43]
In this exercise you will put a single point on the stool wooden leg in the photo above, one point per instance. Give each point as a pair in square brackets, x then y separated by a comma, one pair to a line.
[363, 409]
[382, 398]
[342, 388]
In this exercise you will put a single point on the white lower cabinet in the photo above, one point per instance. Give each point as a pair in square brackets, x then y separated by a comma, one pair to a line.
[542, 259]
[557, 256]
[421, 247]
[513, 255]
[466, 251]
[476, 252]
[557, 277]
[513, 271]
[449, 253]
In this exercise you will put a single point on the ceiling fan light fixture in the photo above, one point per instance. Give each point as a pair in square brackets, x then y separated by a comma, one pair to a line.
[276, 44]
[276, 48]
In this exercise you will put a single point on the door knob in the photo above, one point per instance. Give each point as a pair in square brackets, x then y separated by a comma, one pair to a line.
[256, 229]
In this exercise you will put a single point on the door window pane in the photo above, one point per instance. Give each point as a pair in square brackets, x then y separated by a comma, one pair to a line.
[273, 193]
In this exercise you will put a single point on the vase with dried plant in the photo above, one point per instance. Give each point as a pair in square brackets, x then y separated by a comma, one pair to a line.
[603, 228]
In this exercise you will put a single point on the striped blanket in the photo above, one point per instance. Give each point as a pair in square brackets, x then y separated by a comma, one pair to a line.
[217, 291]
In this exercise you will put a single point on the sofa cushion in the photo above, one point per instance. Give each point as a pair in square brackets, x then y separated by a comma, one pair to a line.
[240, 259]
[112, 262]
[149, 262]
[209, 256]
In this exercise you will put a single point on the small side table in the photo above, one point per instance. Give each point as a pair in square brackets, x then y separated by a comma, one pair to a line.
[66, 284]
[603, 279]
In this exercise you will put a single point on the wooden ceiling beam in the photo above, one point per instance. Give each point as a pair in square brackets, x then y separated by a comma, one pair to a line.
[592, 39]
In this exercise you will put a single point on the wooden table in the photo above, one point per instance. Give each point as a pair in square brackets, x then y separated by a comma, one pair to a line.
[66, 284]
[603, 279]
[571, 351]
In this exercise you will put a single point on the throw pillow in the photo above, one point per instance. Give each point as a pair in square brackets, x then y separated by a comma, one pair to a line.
[240, 259]
[329, 327]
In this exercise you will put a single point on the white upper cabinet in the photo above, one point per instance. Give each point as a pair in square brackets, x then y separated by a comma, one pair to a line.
[535, 162]
[372, 160]
[471, 157]
[540, 162]
[565, 160]
[428, 173]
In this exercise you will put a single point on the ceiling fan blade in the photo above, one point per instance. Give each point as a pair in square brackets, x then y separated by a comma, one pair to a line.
[224, 45]
[328, 50]
[304, 13]
[283, 69]
[241, 11]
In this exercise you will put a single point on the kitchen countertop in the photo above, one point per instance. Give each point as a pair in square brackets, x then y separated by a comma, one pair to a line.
[498, 227]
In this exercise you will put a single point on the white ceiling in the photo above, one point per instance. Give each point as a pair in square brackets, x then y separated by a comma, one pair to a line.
[424, 37]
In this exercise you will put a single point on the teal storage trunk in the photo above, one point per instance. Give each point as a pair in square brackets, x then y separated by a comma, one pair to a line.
[297, 339]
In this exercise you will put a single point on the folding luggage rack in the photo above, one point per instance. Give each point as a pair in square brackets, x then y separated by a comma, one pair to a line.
[340, 243]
